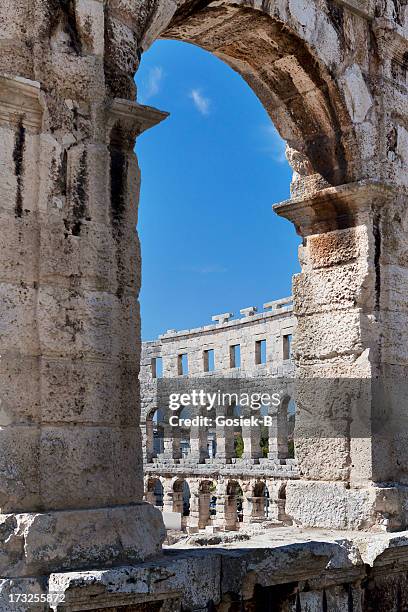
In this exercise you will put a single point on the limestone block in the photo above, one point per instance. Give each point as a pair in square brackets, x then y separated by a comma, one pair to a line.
[90, 14]
[14, 17]
[394, 338]
[19, 465]
[38, 543]
[59, 252]
[19, 246]
[325, 457]
[327, 335]
[326, 39]
[17, 318]
[304, 12]
[92, 323]
[19, 390]
[8, 179]
[331, 288]
[394, 288]
[90, 464]
[52, 174]
[30, 178]
[325, 504]
[358, 97]
[82, 391]
[337, 247]
[124, 45]
[89, 257]
[98, 181]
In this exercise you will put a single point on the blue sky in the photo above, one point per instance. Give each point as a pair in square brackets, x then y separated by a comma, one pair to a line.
[210, 174]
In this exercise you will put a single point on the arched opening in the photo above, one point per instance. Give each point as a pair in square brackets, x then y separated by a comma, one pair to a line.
[239, 449]
[181, 497]
[260, 501]
[154, 492]
[185, 432]
[234, 505]
[207, 503]
[224, 150]
[294, 86]
[291, 416]
[281, 433]
[296, 89]
[154, 433]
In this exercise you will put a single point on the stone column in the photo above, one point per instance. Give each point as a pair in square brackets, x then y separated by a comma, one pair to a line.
[171, 444]
[278, 434]
[168, 496]
[351, 358]
[192, 521]
[198, 443]
[224, 439]
[252, 438]
[204, 509]
[148, 439]
[71, 460]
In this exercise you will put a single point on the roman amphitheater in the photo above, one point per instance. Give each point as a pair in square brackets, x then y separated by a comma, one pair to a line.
[323, 530]
[196, 472]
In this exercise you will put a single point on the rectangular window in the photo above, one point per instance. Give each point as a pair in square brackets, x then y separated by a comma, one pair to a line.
[157, 367]
[208, 359]
[182, 364]
[287, 346]
[235, 356]
[260, 352]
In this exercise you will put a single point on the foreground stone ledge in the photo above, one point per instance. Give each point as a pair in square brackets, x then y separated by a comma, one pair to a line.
[341, 507]
[308, 562]
[37, 544]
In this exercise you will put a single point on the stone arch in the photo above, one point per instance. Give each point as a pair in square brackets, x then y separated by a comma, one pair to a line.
[300, 81]
[260, 500]
[181, 496]
[185, 432]
[233, 504]
[281, 432]
[207, 502]
[154, 433]
[154, 491]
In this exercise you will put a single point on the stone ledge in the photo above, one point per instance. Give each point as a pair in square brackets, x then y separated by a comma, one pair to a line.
[198, 576]
[39, 543]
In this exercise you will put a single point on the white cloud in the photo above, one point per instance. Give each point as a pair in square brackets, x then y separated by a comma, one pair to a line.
[274, 144]
[152, 85]
[201, 102]
[204, 269]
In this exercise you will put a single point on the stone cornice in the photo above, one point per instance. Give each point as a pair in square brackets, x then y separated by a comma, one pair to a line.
[20, 99]
[133, 117]
[335, 207]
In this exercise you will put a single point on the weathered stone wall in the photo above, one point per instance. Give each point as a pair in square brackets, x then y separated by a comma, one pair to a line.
[70, 462]
[333, 76]
[223, 470]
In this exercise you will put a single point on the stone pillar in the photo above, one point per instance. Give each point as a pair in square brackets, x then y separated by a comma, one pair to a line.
[278, 434]
[251, 436]
[148, 439]
[192, 521]
[225, 440]
[204, 509]
[71, 459]
[198, 444]
[351, 358]
[171, 444]
[168, 496]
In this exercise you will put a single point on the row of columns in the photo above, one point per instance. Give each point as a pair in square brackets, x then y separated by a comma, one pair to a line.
[259, 502]
[225, 447]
